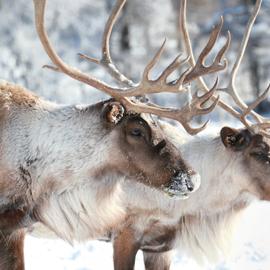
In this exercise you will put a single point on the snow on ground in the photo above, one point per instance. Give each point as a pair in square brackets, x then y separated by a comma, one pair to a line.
[250, 252]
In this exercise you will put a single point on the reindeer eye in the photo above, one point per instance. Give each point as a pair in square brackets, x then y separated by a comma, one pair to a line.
[136, 132]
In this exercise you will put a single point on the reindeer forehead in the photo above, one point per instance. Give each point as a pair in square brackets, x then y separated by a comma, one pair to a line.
[156, 130]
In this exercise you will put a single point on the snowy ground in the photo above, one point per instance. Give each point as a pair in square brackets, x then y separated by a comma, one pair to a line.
[250, 252]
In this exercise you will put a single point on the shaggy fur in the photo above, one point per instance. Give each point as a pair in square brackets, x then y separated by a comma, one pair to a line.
[39, 171]
[62, 166]
[202, 225]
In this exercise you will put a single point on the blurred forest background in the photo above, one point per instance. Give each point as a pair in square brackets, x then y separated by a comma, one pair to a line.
[77, 26]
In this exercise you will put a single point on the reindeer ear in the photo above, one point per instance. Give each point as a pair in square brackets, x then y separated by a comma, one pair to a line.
[113, 112]
[235, 139]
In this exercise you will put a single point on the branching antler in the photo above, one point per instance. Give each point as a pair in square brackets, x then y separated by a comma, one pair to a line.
[217, 65]
[106, 60]
[258, 127]
[146, 85]
[198, 70]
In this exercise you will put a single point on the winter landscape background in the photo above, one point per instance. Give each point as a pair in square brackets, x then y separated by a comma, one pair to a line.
[76, 26]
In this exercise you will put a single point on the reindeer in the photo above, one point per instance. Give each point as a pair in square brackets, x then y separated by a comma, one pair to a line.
[234, 169]
[207, 220]
[56, 162]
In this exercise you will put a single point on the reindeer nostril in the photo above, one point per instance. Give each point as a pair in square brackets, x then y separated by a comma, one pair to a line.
[160, 145]
[190, 186]
[176, 174]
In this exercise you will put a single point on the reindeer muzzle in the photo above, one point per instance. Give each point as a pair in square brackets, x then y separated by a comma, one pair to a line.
[182, 185]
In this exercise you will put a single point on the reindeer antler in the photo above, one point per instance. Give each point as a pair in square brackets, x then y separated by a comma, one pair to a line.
[261, 124]
[146, 85]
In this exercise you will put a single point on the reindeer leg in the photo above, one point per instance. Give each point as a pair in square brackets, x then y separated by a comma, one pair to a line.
[157, 261]
[12, 250]
[125, 248]
[12, 234]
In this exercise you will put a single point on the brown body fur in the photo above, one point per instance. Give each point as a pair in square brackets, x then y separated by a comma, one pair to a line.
[37, 186]
[12, 250]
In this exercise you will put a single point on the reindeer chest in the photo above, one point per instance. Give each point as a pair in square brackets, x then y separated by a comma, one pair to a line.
[154, 232]
[159, 239]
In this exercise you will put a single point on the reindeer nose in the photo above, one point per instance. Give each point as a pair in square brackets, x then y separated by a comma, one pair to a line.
[183, 183]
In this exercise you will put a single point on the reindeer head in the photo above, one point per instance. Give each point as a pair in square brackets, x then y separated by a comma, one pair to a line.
[255, 152]
[252, 143]
[143, 151]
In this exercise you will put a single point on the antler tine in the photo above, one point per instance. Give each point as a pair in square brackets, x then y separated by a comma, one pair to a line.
[231, 88]
[255, 103]
[111, 68]
[199, 101]
[223, 50]
[196, 108]
[106, 60]
[188, 48]
[207, 96]
[153, 61]
[199, 67]
[211, 42]
[246, 110]
[172, 67]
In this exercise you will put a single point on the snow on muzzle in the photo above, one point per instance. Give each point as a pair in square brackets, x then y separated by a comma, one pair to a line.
[182, 184]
